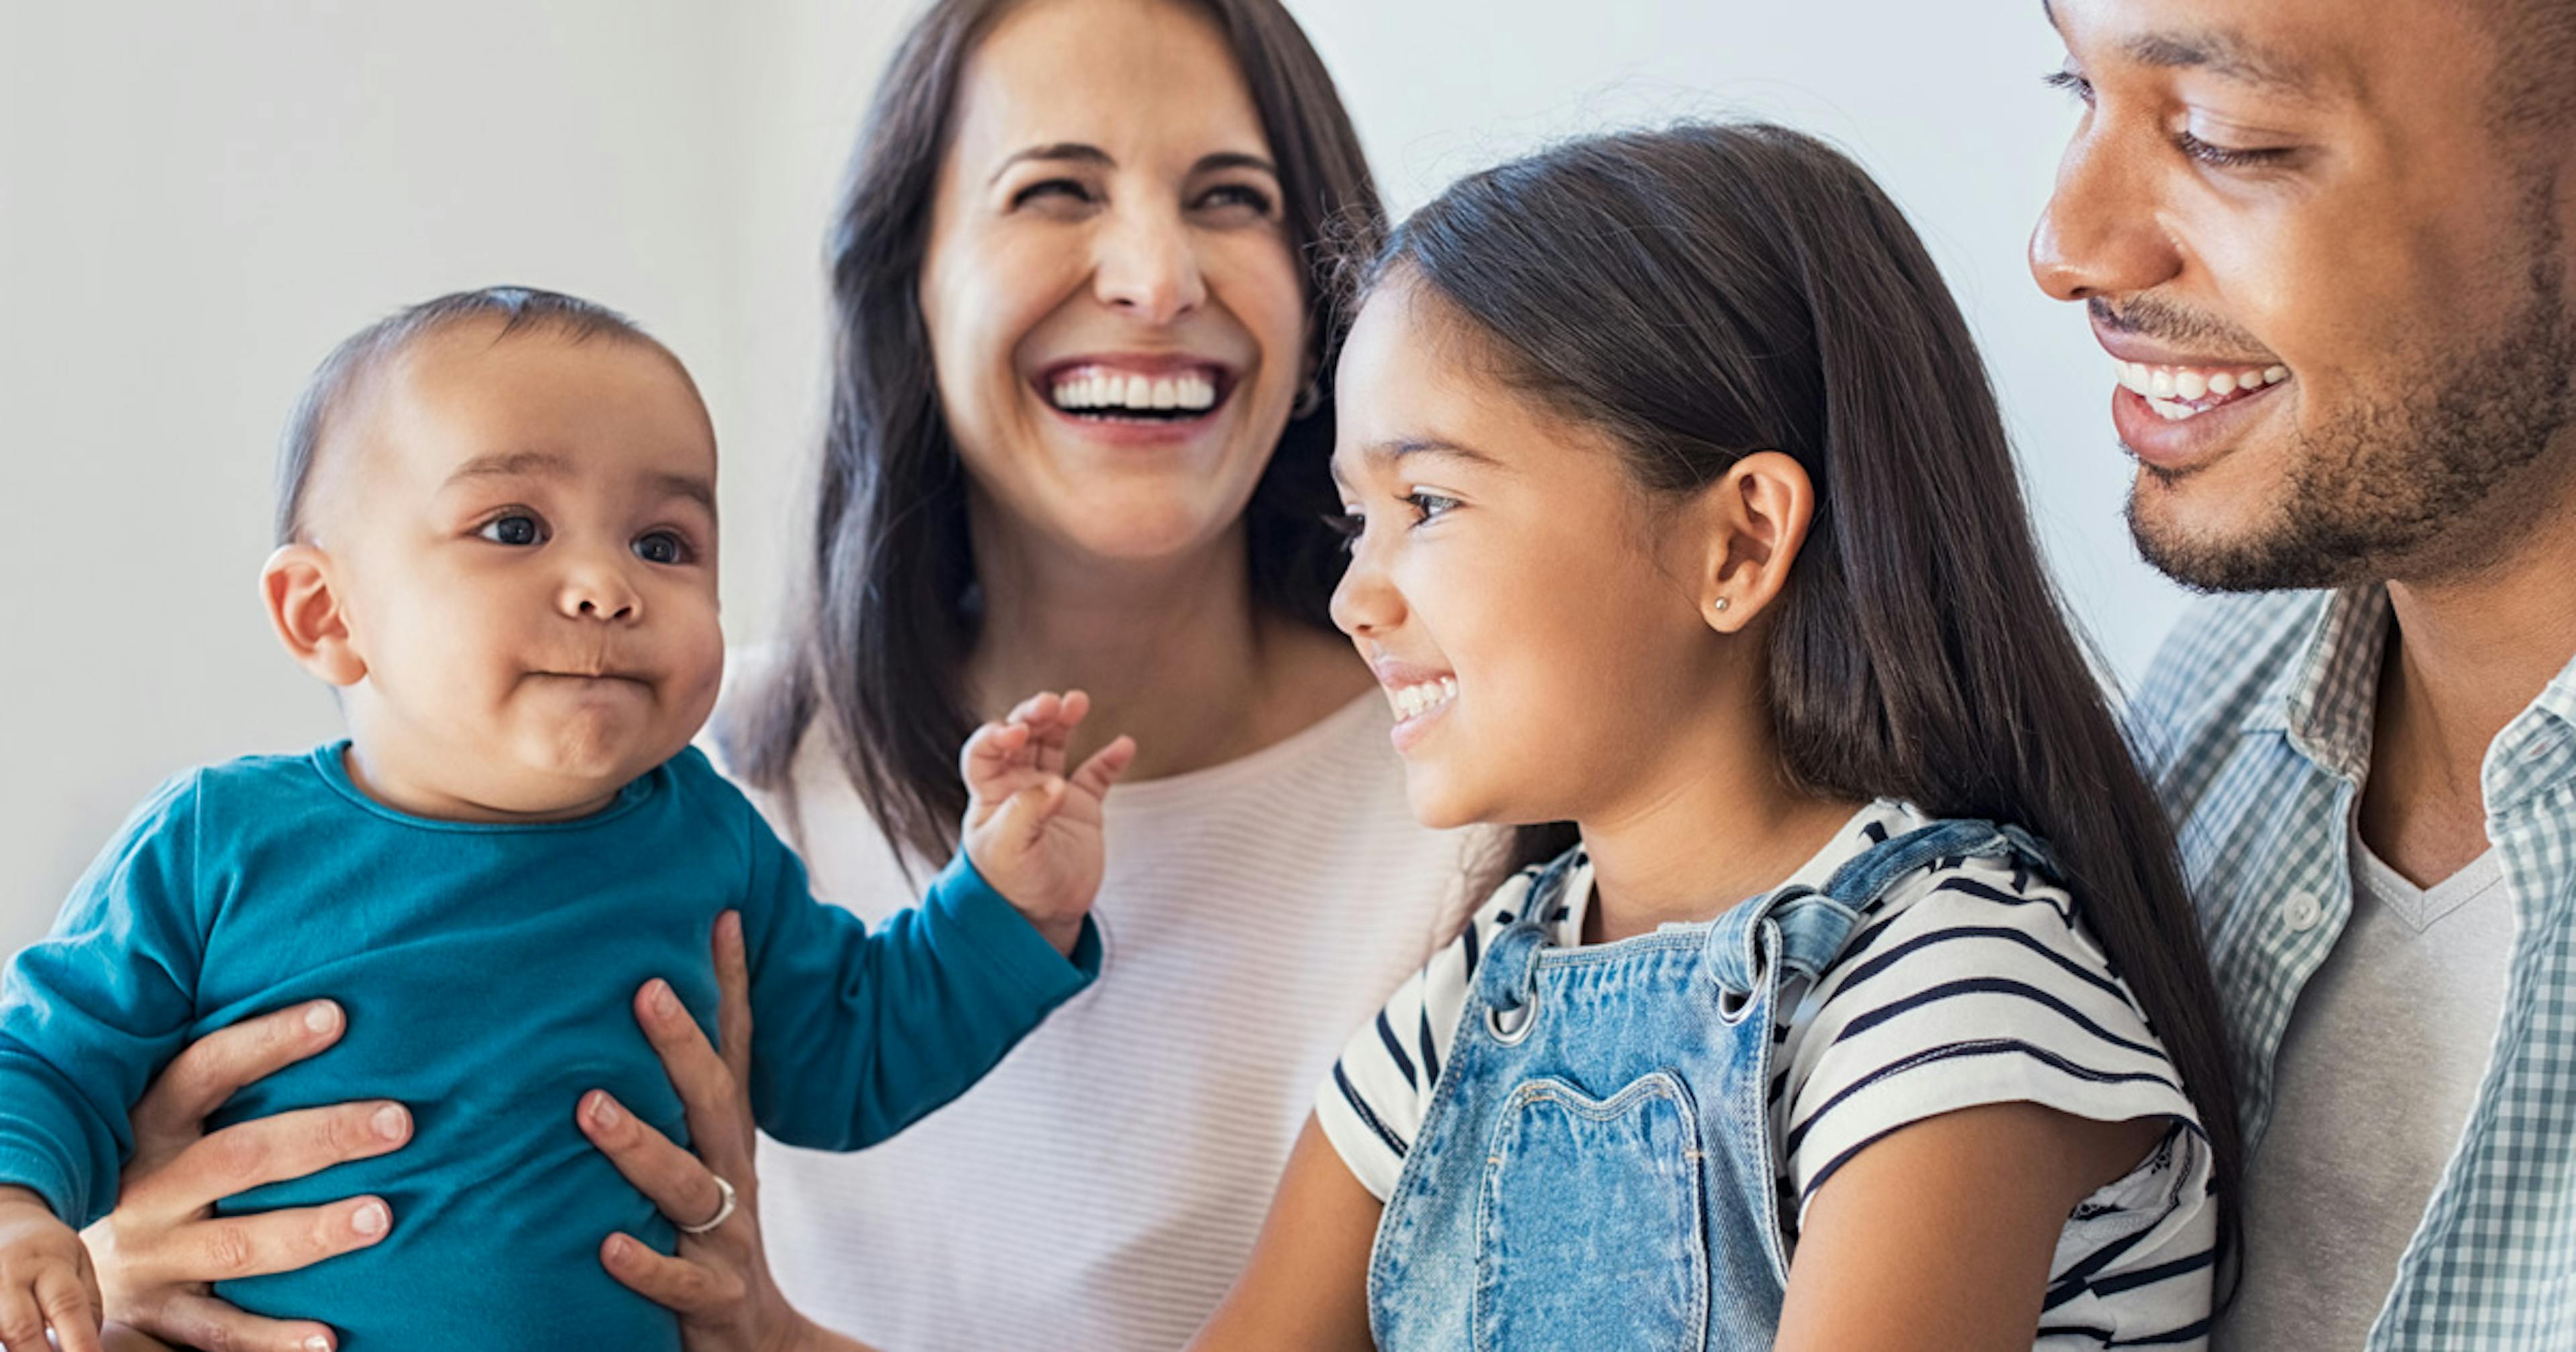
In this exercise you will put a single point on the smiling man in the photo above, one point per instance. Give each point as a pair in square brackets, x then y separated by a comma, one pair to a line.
[2327, 245]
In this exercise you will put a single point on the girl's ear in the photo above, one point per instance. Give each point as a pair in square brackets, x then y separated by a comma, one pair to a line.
[307, 611]
[1759, 514]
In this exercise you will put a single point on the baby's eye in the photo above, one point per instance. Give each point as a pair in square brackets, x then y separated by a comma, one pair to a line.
[662, 546]
[517, 529]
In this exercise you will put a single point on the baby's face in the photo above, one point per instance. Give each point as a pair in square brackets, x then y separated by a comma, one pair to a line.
[524, 547]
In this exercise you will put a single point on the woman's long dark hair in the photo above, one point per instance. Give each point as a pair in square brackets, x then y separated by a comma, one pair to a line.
[881, 622]
[1709, 291]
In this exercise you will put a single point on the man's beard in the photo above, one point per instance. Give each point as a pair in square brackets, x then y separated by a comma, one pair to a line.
[2404, 479]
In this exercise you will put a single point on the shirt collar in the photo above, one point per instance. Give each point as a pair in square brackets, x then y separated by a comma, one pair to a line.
[2326, 702]
[1876, 822]
[2536, 752]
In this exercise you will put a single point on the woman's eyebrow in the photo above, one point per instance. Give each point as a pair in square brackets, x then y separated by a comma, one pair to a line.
[1061, 150]
[1233, 159]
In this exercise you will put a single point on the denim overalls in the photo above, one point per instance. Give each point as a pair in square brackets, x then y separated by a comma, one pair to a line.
[1596, 1169]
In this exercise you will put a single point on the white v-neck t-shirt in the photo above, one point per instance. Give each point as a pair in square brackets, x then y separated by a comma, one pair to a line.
[1102, 1187]
[2373, 1084]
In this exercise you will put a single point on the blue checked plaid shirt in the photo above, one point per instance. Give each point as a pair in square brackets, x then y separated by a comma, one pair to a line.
[2255, 726]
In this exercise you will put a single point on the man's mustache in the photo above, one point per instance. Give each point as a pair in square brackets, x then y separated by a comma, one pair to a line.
[2172, 325]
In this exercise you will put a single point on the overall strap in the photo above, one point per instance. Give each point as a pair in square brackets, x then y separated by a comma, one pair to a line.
[1504, 977]
[1811, 924]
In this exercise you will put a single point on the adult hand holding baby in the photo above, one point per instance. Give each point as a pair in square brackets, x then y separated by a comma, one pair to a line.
[158, 1252]
[161, 1249]
[1033, 831]
[45, 1278]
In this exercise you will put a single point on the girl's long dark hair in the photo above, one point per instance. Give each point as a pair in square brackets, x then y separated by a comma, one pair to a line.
[1709, 291]
[881, 622]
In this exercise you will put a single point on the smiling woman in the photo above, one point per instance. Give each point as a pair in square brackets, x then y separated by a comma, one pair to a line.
[1080, 426]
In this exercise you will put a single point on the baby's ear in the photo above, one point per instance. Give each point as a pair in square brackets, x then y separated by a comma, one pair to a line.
[304, 607]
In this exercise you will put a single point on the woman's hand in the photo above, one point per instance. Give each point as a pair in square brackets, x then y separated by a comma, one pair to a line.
[159, 1252]
[719, 1283]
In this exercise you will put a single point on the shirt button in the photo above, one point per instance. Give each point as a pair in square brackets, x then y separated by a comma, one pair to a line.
[2302, 912]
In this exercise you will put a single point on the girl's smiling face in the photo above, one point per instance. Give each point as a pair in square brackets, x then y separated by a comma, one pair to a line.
[1536, 618]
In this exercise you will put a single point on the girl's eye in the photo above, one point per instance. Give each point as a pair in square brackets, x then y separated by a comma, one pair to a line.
[1432, 506]
[1237, 195]
[2225, 157]
[662, 547]
[517, 530]
[2071, 83]
[1347, 524]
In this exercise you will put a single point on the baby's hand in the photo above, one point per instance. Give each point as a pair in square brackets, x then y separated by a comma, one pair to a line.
[1032, 831]
[45, 1278]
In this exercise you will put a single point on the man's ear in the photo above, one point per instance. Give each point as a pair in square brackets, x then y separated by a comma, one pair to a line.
[305, 607]
[1758, 514]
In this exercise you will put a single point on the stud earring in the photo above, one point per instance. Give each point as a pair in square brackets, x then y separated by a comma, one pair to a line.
[1718, 605]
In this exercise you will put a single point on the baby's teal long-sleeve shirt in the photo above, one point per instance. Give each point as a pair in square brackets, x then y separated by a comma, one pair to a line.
[488, 974]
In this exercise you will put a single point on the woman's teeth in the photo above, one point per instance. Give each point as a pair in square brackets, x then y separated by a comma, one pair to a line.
[1097, 389]
[1413, 701]
[2179, 392]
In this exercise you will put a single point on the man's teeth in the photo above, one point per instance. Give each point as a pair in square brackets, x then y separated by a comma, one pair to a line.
[1412, 701]
[2179, 392]
[1096, 388]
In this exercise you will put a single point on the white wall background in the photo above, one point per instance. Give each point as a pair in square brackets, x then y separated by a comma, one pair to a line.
[197, 199]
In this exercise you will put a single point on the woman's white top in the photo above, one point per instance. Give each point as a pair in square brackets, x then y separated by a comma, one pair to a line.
[1102, 1187]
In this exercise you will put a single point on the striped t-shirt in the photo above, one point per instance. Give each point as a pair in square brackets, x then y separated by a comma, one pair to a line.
[1969, 982]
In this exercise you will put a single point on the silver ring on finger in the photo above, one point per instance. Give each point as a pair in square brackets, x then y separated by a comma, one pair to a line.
[724, 1209]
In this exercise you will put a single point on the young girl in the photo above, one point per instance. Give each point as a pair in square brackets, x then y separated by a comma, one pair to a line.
[1682, 516]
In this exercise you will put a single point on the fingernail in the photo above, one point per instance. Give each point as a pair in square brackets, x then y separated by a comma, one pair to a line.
[389, 1121]
[322, 1018]
[603, 1112]
[370, 1219]
[730, 924]
[317, 1343]
[664, 1002]
[617, 1248]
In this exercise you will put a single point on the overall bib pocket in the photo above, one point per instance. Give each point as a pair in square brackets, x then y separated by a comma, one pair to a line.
[1586, 1197]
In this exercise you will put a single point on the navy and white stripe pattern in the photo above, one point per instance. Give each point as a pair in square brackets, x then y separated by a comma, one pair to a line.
[2255, 725]
[1972, 982]
[1969, 982]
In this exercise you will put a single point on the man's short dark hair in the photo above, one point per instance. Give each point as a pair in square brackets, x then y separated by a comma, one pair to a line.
[364, 354]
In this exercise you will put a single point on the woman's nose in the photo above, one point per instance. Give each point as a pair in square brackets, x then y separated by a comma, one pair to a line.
[599, 590]
[1148, 265]
[2101, 234]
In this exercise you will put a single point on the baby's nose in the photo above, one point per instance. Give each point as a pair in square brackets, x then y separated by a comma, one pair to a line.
[600, 594]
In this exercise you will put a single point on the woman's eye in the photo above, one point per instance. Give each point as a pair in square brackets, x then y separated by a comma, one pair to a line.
[1348, 524]
[1237, 195]
[1062, 189]
[662, 547]
[2071, 83]
[515, 529]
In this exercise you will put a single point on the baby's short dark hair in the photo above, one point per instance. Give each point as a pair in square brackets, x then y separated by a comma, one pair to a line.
[365, 353]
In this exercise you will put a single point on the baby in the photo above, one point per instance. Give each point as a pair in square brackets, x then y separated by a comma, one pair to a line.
[498, 543]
